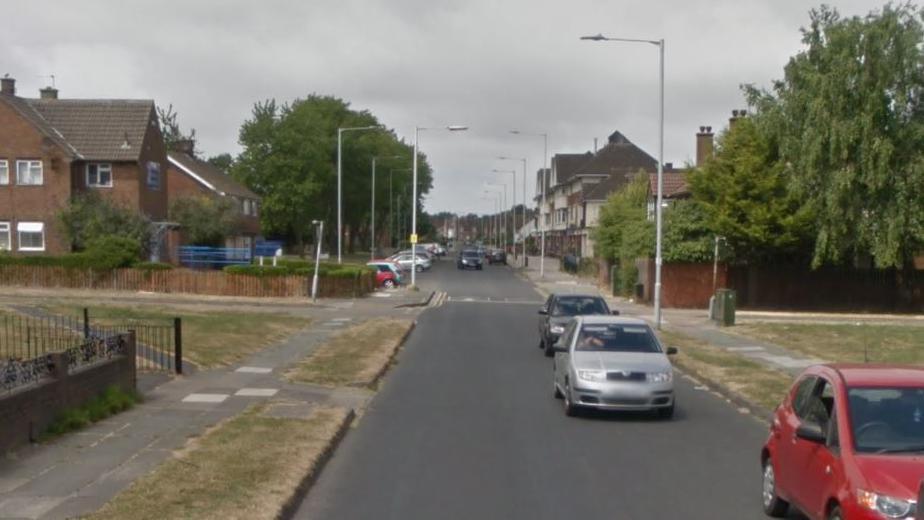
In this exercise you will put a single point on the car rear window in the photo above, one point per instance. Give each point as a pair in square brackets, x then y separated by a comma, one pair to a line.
[472, 254]
[616, 338]
[576, 306]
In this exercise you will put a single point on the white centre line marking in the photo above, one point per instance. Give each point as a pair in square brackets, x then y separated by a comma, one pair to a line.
[254, 370]
[256, 392]
[205, 398]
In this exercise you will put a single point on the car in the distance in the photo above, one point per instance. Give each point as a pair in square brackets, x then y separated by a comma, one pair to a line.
[558, 310]
[846, 443]
[497, 256]
[387, 274]
[469, 259]
[613, 363]
[406, 261]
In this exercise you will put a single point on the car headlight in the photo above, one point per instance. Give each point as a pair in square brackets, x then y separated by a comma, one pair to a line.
[592, 375]
[659, 377]
[557, 329]
[891, 507]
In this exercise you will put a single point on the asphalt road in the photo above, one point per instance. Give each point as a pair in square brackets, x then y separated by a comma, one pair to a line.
[465, 427]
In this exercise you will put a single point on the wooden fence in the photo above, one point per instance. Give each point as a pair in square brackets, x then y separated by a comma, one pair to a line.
[216, 283]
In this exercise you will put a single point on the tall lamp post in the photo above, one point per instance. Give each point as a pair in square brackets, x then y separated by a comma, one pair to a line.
[503, 210]
[340, 132]
[513, 208]
[495, 197]
[372, 231]
[417, 129]
[543, 181]
[523, 218]
[658, 224]
[319, 226]
[392, 223]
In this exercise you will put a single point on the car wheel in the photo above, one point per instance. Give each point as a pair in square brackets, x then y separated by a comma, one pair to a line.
[547, 349]
[773, 505]
[389, 284]
[835, 514]
[557, 393]
[570, 409]
[666, 413]
[479, 268]
[419, 268]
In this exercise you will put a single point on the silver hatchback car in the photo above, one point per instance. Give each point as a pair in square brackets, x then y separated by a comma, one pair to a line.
[613, 363]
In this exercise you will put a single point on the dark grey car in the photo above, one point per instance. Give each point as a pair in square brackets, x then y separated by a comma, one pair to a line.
[558, 311]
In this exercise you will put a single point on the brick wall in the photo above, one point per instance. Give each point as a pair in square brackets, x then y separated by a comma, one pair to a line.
[20, 140]
[26, 414]
[683, 285]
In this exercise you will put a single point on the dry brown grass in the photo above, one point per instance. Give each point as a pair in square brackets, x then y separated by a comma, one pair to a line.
[753, 381]
[247, 467]
[354, 357]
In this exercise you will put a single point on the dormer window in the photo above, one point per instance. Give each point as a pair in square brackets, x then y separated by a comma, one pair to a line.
[99, 175]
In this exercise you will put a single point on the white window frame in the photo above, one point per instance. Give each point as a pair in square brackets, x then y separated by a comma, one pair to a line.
[29, 164]
[100, 167]
[148, 167]
[30, 227]
[4, 172]
[5, 229]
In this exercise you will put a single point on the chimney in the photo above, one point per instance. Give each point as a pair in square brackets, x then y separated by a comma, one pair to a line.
[736, 115]
[187, 146]
[48, 93]
[7, 85]
[595, 145]
[704, 145]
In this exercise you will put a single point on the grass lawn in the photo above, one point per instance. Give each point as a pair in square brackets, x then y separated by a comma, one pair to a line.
[353, 357]
[210, 339]
[246, 467]
[883, 343]
[752, 380]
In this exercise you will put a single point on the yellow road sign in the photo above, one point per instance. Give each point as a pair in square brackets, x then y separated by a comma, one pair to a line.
[414, 238]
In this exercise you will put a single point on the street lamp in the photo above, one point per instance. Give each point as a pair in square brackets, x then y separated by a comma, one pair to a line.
[495, 196]
[540, 218]
[319, 226]
[513, 208]
[372, 232]
[417, 129]
[340, 132]
[391, 212]
[658, 209]
[503, 213]
[502, 158]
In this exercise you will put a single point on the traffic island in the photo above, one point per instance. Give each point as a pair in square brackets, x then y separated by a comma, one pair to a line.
[256, 465]
[359, 356]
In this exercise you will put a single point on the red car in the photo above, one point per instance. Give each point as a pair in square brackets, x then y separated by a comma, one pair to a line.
[386, 274]
[847, 443]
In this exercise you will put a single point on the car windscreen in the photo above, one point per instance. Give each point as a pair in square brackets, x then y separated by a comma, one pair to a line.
[616, 338]
[576, 306]
[470, 254]
[887, 420]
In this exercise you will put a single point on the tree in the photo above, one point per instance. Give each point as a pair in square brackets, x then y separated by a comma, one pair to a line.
[88, 217]
[743, 193]
[624, 232]
[290, 159]
[171, 129]
[686, 235]
[205, 220]
[223, 161]
[849, 119]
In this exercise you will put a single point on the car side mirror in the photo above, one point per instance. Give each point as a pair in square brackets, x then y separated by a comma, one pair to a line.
[811, 431]
[543, 311]
[671, 351]
[615, 312]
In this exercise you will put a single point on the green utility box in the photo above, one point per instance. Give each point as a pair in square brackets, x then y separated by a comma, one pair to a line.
[725, 307]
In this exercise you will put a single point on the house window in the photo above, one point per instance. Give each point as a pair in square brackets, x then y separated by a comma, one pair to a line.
[29, 173]
[4, 171]
[153, 175]
[5, 237]
[99, 175]
[247, 206]
[31, 236]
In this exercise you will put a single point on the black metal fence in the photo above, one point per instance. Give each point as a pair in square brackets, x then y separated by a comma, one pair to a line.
[33, 333]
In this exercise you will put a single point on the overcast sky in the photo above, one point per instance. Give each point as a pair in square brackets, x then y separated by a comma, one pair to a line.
[492, 65]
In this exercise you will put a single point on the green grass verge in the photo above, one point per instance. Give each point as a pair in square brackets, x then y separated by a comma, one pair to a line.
[874, 343]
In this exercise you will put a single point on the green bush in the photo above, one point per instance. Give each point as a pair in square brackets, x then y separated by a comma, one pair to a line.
[112, 401]
[297, 268]
[104, 253]
[153, 266]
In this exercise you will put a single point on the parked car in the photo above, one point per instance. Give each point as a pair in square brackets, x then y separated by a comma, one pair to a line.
[847, 443]
[497, 256]
[613, 363]
[406, 261]
[558, 310]
[469, 259]
[387, 274]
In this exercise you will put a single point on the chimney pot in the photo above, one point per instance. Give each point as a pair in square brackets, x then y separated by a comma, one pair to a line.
[48, 93]
[7, 85]
[702, 129]
[187, 146]
[708, 129]
[704, 145]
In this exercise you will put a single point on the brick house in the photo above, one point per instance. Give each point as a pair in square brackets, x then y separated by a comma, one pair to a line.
[52, 149]
[189, 176]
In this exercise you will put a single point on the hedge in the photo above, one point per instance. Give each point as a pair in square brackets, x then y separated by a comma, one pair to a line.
[104, 253]
[301, 268]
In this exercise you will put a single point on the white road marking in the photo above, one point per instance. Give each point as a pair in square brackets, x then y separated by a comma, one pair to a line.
[254, 370]
[342, 319]
[256, 392]
[701, 388]
[745, 349]
[205, 398]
